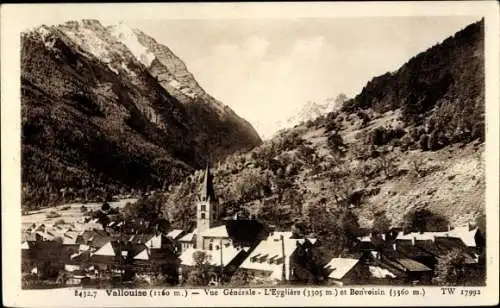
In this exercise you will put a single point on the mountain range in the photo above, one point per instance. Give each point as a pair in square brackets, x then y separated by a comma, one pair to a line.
[411, 140]
[109, 107]
[310, 111]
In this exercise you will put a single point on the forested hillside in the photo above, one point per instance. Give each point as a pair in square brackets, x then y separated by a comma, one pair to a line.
[108, 110]
[411, 144]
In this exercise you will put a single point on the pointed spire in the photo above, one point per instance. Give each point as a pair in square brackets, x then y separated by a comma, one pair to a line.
[207, 189]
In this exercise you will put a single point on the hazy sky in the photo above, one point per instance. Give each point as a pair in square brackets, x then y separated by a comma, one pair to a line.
[266, 68]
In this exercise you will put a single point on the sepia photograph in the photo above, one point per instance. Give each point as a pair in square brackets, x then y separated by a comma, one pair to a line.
[253, 155]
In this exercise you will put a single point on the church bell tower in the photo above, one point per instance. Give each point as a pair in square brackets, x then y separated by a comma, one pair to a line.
[206, 208]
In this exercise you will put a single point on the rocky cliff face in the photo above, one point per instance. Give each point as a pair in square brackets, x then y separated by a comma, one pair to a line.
[110, 107]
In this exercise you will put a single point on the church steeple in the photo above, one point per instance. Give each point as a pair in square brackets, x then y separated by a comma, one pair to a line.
[207, 210]
[207, 189]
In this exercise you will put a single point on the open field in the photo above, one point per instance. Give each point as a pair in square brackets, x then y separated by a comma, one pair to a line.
[70, 215]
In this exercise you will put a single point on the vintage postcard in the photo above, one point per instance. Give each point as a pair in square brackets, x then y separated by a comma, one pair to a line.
[250, 154]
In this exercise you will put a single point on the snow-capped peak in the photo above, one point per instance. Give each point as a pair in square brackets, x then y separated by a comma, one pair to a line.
[44, 31]
[127, 37]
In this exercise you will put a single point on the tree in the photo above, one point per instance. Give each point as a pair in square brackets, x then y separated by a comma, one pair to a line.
[433, 141]
[424, 142]
[381, 223]
[450, 268]
[105, 207]
[423, 220]
[241, 278]
[335, 143]
[200, 274]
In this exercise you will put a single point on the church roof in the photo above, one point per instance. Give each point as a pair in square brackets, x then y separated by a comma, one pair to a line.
[207, 188]
[220, 231]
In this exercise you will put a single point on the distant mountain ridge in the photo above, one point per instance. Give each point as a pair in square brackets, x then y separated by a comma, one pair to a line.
[110, 107]
[411, 139]
[310, 111]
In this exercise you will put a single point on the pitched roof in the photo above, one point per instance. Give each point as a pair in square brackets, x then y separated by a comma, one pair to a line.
[158, 255]
[466, 235]
[380, 272]
[214, 256]
[175, 233]
[24, 245]
[188, 237]
[412, 265]
[411, 250]
[141, 238]
[267, 256]
[159, 241]
[463, 232]
[219, 231]
[339, 267]
[106, 250]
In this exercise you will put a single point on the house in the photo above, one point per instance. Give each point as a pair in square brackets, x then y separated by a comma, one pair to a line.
[188, 240]
[159, 241]
[157, 259]
[472, 237]
[223, 260]
[410, 271]
[116, 253]
[383, 273]
[345, 271]
[48, 257]
[275, 258]
[213, 237]
[94, 239]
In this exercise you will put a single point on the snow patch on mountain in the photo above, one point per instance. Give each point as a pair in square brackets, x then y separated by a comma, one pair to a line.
[91, 43]
[128, 38]
[174, 84]
[111, 68]
[307, 112]
[44, 32]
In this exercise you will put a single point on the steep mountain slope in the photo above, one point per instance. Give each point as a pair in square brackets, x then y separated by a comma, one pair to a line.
[372, 157]
[95, 115]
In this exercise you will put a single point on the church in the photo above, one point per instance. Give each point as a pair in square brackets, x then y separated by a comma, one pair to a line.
[225, 242]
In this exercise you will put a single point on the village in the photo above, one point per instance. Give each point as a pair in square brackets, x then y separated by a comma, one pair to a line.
[235, 251]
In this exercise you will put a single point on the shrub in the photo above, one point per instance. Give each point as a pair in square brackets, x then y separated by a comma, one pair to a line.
[335, 142]
[381, 135]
